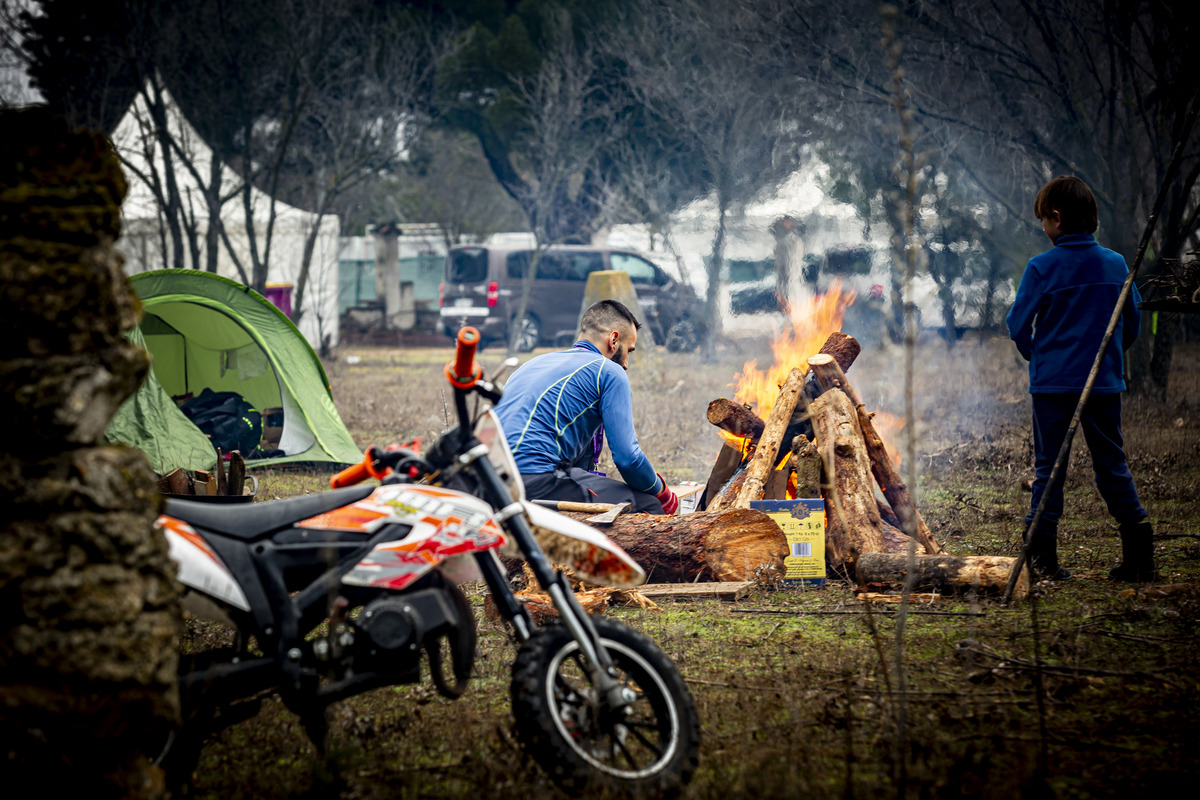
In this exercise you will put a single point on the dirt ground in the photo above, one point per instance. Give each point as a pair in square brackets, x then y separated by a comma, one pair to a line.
[798, 690]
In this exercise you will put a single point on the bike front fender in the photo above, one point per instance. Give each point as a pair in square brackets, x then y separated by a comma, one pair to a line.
[589, 553]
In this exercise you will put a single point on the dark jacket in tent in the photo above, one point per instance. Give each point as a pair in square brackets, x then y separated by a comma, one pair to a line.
[207, 332]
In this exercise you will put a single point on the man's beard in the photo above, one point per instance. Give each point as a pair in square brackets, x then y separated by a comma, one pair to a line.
[619, 355]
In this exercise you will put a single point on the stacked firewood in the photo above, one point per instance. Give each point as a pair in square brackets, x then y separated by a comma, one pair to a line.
[837, 454]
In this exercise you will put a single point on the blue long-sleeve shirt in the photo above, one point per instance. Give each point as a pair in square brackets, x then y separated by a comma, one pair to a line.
[1062, 308]
[554, 404]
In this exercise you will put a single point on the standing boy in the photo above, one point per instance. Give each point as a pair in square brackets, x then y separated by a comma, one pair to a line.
[1060, 314]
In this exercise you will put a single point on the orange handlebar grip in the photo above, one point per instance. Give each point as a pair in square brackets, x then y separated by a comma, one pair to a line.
[463, 372]
[350, 476]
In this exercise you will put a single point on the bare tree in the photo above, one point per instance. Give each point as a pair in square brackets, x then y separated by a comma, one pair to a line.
[696, 66]
[570, 120]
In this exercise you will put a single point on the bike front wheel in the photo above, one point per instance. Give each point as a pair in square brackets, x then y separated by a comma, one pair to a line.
[648, 749]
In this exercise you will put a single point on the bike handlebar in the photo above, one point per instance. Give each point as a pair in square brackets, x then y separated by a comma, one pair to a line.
[369, 467]
[463, 372]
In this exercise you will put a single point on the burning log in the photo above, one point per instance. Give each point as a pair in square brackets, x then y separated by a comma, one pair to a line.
[843, 347]
[731, 416]
[733, 545]
[943, 573]
[767, 449]
[735, 418]
[829, 374]
[853, 525]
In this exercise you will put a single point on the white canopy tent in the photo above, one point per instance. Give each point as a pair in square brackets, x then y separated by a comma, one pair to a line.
[144, 227]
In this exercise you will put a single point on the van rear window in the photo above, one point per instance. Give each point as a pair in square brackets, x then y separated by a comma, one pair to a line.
[468, 265]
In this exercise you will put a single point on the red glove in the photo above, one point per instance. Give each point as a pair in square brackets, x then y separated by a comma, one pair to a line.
[670, 502]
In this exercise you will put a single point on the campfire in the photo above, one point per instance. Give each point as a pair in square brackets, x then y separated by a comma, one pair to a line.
[816, 438]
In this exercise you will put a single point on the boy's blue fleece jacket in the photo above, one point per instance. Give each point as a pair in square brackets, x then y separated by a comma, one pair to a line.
[1063, 305]
[553, 405]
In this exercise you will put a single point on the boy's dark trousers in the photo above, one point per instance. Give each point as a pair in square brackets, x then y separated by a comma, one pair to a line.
[1101, 422]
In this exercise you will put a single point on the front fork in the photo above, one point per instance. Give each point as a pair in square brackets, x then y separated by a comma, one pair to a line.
[600, 666]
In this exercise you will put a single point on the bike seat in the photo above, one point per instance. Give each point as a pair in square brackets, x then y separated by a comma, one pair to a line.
[257, 520]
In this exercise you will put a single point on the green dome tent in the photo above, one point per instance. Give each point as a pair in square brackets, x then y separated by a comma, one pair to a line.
[208, 332]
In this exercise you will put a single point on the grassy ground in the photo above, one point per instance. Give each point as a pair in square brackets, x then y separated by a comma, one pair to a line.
[797, 696]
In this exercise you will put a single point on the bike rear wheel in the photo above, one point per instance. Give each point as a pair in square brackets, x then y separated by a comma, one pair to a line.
[650, 750]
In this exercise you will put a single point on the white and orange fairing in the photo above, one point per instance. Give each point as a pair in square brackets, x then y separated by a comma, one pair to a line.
[200, 567]
[445, 524]
[442, 529]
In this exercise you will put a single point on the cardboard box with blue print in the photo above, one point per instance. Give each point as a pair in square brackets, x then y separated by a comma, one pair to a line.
[803, 523]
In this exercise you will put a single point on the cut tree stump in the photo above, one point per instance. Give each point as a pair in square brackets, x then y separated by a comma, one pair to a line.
[829, 375]
[943, 573]
[737, 544]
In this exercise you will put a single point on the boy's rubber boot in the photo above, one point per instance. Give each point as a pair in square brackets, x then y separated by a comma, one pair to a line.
[1043, 554]
[1137, 554]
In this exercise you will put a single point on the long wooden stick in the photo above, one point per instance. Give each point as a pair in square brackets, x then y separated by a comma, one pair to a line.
[828, 375]
[768, 444]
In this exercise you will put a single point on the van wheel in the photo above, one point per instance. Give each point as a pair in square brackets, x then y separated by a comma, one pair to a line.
[529, 334]
[683, 337]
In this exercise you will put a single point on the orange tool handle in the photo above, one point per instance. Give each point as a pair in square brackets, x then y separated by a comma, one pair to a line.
[463, 372]
[360, 471]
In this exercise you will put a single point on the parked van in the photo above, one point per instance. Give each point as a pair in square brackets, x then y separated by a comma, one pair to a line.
[483, 286]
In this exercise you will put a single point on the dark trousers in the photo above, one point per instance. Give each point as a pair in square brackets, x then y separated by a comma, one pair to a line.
[580, 486]
[1101, 423]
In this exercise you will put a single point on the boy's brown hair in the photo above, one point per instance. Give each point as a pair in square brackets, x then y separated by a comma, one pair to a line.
[1074, 202]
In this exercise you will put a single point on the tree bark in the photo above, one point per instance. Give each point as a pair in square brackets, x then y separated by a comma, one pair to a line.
[806, 464]
[943, 573]
[853, 525]
[90, 603]
[829, 375]
[734, 545]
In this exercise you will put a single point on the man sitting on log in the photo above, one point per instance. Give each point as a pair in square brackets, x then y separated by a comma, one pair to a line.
[557, 406]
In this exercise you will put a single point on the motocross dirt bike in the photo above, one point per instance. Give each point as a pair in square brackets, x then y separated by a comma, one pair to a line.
[342, 592]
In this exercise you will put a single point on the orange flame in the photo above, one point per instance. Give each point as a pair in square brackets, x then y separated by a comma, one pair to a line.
[812, 322]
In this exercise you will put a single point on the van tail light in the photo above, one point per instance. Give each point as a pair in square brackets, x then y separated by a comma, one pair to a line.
[493, 293]
[441, 295]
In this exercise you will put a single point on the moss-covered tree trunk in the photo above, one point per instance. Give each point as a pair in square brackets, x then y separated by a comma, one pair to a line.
[89, 611]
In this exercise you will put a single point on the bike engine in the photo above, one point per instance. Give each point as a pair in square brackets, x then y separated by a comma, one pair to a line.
[390, 627]
[391, 630]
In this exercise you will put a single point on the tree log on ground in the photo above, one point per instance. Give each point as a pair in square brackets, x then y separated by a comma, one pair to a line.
[943, 573]
[733, 545]
[829, 375]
